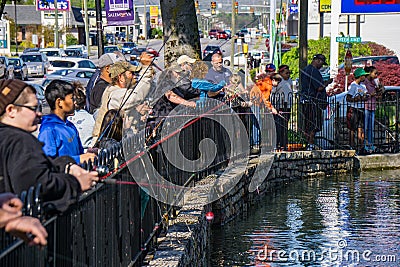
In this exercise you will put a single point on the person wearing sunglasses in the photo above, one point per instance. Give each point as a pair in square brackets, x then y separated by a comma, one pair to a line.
[22, 161]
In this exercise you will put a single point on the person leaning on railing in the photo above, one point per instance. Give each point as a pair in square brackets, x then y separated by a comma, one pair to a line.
[22, 161]
[356, 97]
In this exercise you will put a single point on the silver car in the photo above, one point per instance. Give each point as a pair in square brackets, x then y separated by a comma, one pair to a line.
[70, 75]
[36, 62]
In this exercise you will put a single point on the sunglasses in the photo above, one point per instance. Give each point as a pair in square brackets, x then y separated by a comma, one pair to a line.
[33, 108]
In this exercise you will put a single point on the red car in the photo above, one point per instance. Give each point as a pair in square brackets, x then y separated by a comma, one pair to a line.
[213, 33]
[222, 35]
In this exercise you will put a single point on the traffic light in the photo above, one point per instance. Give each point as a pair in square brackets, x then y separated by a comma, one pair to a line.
[196, 4]
[213, 5]
[236, 7]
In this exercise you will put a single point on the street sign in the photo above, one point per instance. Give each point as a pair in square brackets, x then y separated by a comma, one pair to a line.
[348, 39]
[293, 9]
[46, 5]
[3, 43]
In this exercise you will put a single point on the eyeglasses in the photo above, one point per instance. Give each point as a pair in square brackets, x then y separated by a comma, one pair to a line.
[33, 108]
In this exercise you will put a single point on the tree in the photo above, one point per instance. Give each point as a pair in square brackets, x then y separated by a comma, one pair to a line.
[181, 34]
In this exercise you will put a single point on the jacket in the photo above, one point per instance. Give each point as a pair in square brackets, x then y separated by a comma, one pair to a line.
[60, 138]
[23, 164]
[261, 92]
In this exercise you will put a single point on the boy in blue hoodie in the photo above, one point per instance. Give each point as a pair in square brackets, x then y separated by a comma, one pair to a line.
[60, 136]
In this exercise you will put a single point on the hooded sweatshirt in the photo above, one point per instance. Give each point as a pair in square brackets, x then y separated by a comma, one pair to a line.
[60, 138]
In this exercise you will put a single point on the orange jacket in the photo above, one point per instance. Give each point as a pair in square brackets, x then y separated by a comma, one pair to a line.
[261, 92]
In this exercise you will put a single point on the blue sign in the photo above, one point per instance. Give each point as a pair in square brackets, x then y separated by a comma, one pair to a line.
[293, 9]
[368, 6]
[47, 5]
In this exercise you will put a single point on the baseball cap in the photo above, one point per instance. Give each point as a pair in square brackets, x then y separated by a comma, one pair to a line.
[360, 72]
[185, 59]
[120, 67]
[270, 67]
[109, 59]
[9, 92]
[321, 57]
[175, 67]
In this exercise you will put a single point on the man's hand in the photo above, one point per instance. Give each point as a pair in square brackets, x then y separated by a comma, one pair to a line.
[143, 109]
[86, 157]
[22, 226]
[86, 179]
[9, 202]
[146, 58]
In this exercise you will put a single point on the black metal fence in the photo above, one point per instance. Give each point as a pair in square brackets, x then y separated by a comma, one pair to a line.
[117, 224]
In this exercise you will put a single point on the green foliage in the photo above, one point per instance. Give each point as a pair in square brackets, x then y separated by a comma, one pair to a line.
[321, 46]
[253, 73]
[27, 44]
[156, 33]
[71, 40]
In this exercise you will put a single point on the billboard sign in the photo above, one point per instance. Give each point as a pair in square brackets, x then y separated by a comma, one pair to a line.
[119, 12]
[324, 6]
[48, 5]
[368, 6]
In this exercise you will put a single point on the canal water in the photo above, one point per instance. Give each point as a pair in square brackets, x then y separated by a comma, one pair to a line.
[333, 221]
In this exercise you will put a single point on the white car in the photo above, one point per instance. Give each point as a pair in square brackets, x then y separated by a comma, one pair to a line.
[70, 75]
[53, 53]
[71, 63]
[81, 48]
[239, 59]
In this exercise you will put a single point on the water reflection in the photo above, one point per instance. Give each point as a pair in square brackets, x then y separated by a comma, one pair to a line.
[335, 221]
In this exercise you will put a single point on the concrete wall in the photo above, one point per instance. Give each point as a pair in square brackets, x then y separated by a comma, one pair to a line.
[186, 241]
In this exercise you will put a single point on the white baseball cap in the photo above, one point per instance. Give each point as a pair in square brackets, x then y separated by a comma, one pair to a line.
[185, 59]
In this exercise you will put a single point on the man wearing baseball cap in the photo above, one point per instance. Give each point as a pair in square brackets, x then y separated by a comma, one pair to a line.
[22, 161]
[125, 92]
[105, 62]
[313, 98]
[356, 97]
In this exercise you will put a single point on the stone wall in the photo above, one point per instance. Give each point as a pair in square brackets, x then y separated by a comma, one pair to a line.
[185, 243]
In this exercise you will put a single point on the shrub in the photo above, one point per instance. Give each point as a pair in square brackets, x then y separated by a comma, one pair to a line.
[71, 40]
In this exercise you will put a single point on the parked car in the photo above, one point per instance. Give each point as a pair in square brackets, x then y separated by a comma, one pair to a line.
[239, 59]
[81, 48]
[71, 63]
[110, 49]
[80, 75]
[222, 35]
[73, 53]
[40, 96]
[229, 32]
[53, 53]
[20, 68]
[28, 50]
[37, 63]
[212, 49]
[6, 69]
[212, 33]
[127, 47]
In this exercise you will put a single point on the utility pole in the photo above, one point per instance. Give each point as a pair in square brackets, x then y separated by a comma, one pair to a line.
[85, 7]
[303, 35]
[56, 41]
[16, 27]
[145, 20]
[99, 25]
[233, 34]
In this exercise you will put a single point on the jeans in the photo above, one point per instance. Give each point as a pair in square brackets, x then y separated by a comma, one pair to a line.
[369, 125]
[256, 121]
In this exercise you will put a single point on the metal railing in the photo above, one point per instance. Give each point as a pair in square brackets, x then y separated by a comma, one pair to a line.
[117, 223]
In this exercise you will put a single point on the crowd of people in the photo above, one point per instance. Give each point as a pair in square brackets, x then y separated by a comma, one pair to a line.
[119, 101]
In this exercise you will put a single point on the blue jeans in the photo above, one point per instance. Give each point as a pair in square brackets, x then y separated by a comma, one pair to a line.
[369, 126]
[256, 121]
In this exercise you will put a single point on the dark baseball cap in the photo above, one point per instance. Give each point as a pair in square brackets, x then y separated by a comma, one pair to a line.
[321, 57]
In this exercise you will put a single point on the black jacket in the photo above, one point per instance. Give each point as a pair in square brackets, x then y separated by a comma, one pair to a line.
[23, 164]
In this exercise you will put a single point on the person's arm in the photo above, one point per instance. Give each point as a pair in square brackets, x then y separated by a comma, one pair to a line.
[174, 98]
[10, 208]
